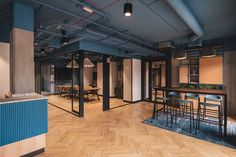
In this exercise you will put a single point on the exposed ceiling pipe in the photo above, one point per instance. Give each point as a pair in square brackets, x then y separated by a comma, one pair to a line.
[156, 13]
[120, 41]
[84, 4]
[185, 13]
[91, 21]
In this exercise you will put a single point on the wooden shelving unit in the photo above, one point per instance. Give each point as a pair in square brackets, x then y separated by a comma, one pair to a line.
[191, 67]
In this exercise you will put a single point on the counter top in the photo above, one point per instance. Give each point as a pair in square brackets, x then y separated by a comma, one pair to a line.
[187, 90]
[22, 98]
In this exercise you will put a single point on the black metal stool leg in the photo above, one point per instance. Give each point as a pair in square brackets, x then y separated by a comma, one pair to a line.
[190, 118]
[220, 121]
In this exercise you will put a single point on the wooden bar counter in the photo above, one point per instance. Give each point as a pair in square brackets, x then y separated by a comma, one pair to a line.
[200, 91]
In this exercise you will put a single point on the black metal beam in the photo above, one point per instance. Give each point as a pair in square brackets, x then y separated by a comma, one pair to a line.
[168, 71]
[81, 84]
[106, 84]
[150, 80]
[143, 70]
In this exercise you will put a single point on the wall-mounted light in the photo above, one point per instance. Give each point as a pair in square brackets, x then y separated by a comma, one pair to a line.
[89, 10]
[42, 50]
[208, 52]
[180, 55]
[128, 9]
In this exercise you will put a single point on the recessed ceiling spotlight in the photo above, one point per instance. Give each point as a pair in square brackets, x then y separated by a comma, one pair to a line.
[89, 10]
[128, 9]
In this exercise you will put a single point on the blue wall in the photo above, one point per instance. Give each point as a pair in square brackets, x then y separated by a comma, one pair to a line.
[21, 120]
[23, 16]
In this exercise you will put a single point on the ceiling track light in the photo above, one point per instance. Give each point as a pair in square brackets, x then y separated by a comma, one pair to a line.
[65, 40]
[42, 50]
[128, 9]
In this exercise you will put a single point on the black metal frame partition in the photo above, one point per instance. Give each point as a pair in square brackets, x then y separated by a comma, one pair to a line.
[80, 112]
[167, 60]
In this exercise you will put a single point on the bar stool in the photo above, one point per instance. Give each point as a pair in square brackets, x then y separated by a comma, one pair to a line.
[187, 107]
[211, 101]
[168, 107]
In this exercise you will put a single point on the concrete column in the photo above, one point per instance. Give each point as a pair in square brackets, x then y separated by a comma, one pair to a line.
[21, 49]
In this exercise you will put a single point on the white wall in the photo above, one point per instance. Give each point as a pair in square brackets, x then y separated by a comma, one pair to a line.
[136, 72]
[113, 78]
[100, 77]
[127, 87]
[88, 76]
[4, 68]
[132, 80]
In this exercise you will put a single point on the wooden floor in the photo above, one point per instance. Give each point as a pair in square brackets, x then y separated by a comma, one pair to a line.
[120, 133]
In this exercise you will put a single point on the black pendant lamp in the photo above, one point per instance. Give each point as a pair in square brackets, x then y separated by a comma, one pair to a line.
[209, 51]
[128, 9]
[180, 54]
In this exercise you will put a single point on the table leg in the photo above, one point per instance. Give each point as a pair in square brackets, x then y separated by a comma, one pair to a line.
[97, 95]
[225, 115]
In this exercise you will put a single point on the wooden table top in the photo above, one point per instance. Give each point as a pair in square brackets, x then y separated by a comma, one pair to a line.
[187, 90]
[76, 87]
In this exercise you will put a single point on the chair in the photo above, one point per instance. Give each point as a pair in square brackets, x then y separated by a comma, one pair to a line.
[168, 106]
[212, 110]
[187, 107]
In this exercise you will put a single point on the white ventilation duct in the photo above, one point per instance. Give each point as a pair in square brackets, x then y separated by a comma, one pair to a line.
[184, 12]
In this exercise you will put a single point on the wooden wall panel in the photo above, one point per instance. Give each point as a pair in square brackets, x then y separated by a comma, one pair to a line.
[211, 70]
[183, 75]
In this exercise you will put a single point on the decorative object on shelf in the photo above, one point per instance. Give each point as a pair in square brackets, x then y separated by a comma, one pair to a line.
[180, 54]
[128, 9]
[74, 63]
[209, 51]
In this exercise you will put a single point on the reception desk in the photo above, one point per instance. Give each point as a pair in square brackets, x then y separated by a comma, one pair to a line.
[23, 125]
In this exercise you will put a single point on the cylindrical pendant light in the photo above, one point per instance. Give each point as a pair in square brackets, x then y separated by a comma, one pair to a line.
[128, 9]
[180, 54]
[208, 52]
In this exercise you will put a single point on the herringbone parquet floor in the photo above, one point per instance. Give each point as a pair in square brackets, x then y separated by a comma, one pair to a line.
[120, 133]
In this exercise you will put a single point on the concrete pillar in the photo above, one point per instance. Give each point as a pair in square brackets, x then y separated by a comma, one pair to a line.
[21, 49]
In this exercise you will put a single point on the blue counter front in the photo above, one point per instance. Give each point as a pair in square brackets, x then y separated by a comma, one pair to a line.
[23, 119]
